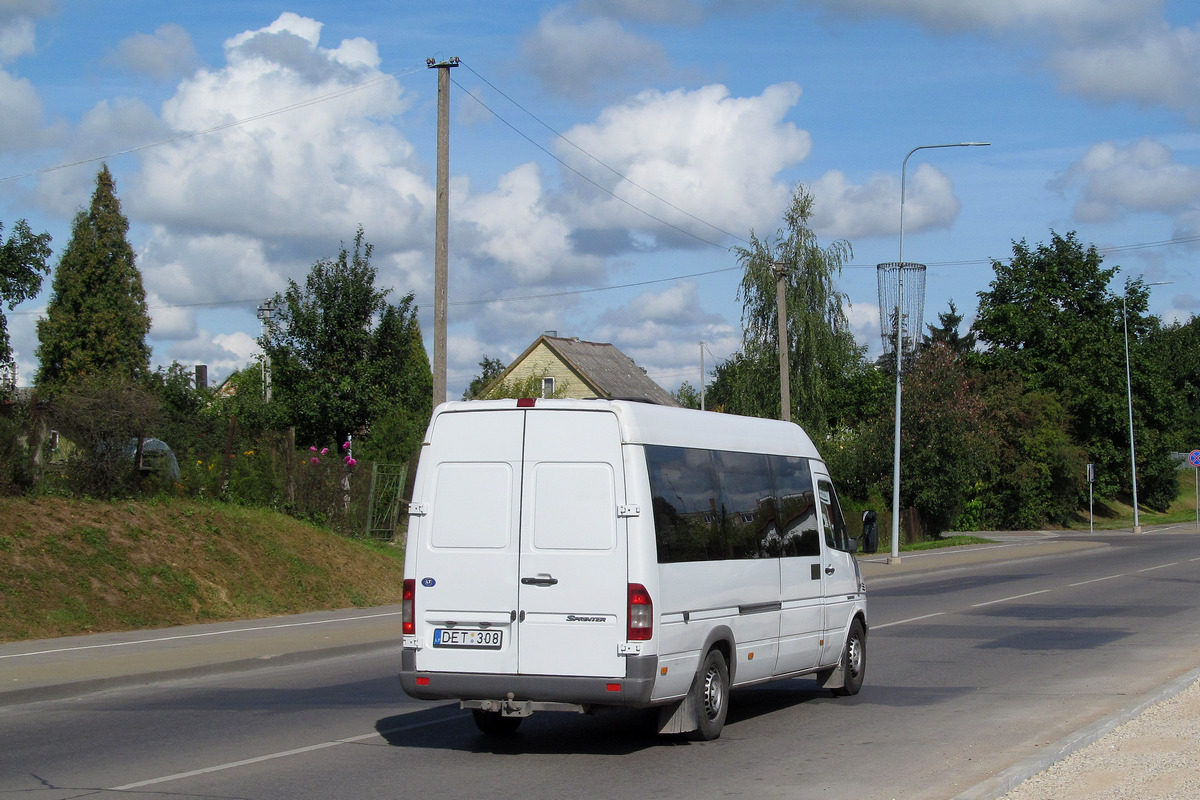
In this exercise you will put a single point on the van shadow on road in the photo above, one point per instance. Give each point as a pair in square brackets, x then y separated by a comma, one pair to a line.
[625, 731]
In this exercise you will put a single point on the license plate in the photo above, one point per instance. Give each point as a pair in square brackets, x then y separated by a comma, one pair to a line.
[467, 637]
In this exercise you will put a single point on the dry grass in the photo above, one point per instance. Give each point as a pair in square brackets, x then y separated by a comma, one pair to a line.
[78, 566]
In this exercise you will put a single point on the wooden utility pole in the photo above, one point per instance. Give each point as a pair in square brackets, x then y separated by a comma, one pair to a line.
[441, 255]
[785, 382]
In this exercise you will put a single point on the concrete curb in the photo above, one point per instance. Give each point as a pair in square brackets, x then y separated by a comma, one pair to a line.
[1004, 782]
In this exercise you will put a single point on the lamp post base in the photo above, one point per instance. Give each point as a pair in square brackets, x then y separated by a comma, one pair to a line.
[893, 559]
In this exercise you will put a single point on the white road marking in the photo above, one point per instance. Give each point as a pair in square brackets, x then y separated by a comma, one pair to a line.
[283, 754]
[1160, 566]
[201, 635]
[911, 619]
[1097, 580]
[1006, 599]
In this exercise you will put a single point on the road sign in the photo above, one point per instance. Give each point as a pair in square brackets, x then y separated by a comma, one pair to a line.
[1194, 458]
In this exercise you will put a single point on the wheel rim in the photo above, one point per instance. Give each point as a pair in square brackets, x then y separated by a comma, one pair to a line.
[714, 693]
[854, 656]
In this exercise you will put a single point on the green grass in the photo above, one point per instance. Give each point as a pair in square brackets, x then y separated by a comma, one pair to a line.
[70, 566]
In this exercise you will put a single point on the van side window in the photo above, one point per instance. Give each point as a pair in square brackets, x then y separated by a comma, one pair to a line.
[836, 534]
[799, 535]
[747, 510]
[684, 495]
[712, 505]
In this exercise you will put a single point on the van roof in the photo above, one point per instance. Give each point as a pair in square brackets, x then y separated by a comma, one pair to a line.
[646, 423]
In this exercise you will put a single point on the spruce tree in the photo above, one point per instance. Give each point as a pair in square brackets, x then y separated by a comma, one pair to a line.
[96, 321]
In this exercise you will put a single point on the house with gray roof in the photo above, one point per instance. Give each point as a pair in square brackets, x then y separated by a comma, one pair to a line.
[584, 370]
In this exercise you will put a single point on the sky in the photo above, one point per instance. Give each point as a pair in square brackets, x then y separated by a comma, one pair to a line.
[606, 156]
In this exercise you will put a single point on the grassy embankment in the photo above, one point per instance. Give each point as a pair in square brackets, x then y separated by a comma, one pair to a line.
[80, 566]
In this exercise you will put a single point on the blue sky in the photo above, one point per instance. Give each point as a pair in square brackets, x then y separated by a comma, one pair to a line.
[249, 139]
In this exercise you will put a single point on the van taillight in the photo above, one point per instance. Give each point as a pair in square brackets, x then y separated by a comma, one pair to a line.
[408, 617]
[641, 614]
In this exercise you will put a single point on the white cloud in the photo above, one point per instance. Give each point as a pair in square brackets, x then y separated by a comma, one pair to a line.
[20, 114]
[1140, 177]
[166, 53]
[517, 233]
[1154, 67]
[1056, 16]
[574, 58]
[17, 26]
[666, 12]
[843, 210]
[300, 179]
[704, 152]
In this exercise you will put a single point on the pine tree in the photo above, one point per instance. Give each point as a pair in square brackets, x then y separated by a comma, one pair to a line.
[96, 321]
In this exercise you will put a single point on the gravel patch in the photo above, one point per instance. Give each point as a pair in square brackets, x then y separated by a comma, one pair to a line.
[1154, 756]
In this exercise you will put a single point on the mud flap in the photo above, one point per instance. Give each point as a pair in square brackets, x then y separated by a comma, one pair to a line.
[833, 678]
[679, 717]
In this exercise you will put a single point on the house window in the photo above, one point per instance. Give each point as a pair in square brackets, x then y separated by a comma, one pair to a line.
[547, 386]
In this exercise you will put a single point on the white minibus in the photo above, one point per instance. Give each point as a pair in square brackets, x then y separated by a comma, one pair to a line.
[576, 554]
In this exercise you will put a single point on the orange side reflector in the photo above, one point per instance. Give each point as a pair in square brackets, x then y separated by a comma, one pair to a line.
[750, 657]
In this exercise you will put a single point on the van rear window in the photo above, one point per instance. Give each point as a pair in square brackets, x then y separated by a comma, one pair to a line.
[714, 505]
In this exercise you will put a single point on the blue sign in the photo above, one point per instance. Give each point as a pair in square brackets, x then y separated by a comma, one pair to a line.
[1194, 458]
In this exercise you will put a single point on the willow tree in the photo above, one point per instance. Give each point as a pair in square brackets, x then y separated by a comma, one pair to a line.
[821, 348]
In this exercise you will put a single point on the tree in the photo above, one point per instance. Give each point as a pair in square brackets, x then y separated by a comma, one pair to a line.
[489, 370]
[96, 321]
[947, 333]
[22, 265]
[341, 356]
[1050, 318]
[821, 348]
[687, 396]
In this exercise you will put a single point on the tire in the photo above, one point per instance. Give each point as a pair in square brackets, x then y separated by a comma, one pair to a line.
[493, 724]
[710, 694]
[854, 661]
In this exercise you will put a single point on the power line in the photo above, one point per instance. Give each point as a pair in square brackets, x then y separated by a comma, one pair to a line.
[599, 186]
[611, 169]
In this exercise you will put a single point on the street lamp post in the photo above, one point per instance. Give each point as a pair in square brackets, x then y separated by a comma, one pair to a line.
[895, 556]
[1137, 527]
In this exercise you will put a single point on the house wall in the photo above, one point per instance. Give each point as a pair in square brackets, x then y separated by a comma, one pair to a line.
[543, 361]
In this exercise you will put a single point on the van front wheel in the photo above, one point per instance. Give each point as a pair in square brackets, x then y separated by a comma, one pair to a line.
[493, 724]
[854, 661]
[710, 694]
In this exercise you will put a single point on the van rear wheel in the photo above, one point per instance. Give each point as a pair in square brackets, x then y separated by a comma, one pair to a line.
[494, 724]
[854, 661]
[710, 694]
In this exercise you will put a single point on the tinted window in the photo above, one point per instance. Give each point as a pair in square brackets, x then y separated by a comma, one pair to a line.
[747, 510]
[684, 495]
[798, 532]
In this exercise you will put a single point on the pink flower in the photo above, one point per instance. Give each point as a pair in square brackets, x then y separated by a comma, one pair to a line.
[346, 446]
[314, 460]
[324, 450]
[350, 462]
[313, 448]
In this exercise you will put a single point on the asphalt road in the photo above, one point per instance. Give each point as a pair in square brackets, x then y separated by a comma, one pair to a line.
[974, 665]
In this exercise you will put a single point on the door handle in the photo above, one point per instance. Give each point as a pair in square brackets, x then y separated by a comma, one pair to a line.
[540, 580]
[830, 570]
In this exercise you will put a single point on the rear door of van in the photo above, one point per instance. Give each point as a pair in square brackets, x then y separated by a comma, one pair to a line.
[523, 568]
[573, 567]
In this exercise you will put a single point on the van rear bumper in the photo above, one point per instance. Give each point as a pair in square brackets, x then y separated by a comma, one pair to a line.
[632, 690]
